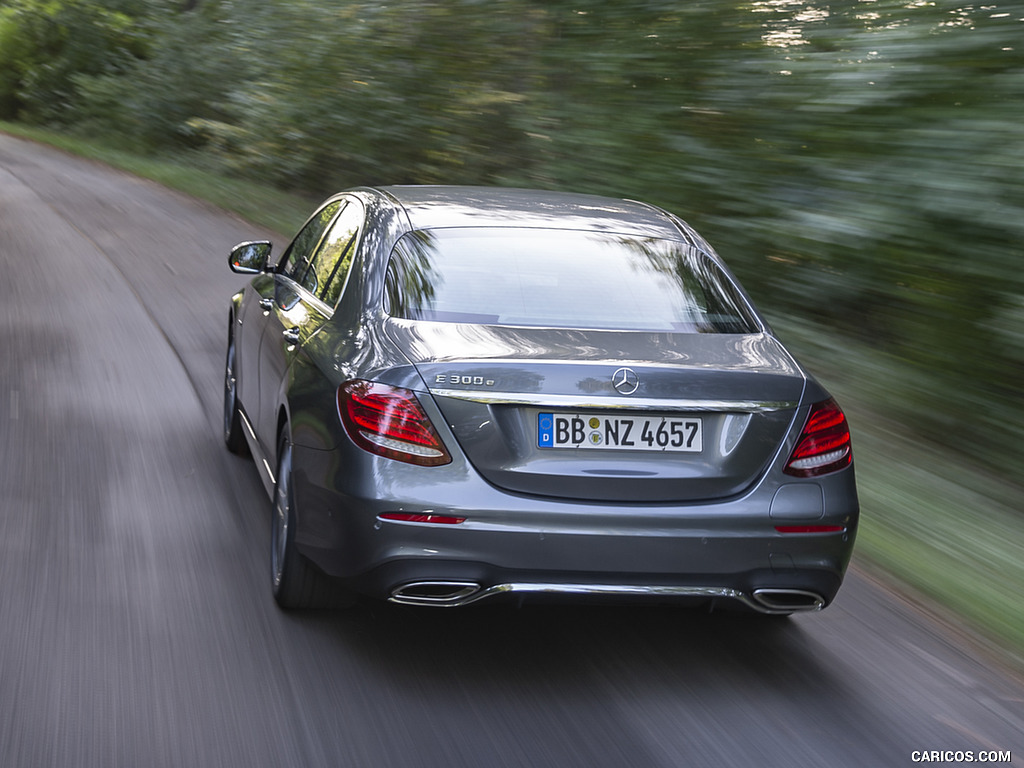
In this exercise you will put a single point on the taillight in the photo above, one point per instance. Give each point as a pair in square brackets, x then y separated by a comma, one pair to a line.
[389, 421]
[824, 445]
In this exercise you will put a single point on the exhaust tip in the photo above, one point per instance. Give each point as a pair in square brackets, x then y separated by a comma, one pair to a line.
[788, 600]
[439, 593]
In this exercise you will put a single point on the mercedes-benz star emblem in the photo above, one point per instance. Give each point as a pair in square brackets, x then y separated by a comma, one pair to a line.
[625, 381]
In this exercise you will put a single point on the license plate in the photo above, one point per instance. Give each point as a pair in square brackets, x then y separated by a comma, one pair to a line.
[620, 432]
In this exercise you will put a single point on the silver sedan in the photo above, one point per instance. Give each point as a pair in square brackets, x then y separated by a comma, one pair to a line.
[454, 394]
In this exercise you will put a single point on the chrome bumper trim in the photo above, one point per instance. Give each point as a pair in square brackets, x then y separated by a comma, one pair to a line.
[463, 593]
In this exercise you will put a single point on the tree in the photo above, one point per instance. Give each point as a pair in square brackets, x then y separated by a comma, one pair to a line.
[45, 45]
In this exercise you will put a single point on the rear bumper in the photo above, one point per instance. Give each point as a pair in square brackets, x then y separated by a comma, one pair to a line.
[517, 546]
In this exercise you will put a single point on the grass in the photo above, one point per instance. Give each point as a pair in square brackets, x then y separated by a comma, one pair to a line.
[960, 548]
[931, 520]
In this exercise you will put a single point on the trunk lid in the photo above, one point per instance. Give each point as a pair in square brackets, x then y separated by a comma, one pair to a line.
[695, 416]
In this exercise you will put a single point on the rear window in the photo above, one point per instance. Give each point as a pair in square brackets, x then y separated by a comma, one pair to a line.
[561, 279]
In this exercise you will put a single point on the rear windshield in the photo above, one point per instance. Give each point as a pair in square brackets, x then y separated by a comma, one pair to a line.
[561, 279]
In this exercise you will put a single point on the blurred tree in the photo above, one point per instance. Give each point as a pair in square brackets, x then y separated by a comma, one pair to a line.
[197, 56]
[897, 200]
[404, 92]
[45, 44]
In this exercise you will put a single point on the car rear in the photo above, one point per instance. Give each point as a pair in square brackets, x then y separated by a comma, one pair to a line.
[586, 413]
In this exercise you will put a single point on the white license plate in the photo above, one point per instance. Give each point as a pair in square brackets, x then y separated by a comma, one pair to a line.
[620, 432]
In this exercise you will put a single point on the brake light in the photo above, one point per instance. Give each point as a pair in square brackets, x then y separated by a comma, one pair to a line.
[390, 422]
[413, 517]
[824, 445]
[809, 528]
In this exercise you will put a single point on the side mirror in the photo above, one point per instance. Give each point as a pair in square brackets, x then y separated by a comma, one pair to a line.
[250, 258]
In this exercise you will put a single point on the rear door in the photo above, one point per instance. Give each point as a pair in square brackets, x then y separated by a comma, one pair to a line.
[308, 284]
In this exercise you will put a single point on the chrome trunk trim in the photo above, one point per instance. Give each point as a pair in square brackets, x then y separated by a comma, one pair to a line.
[583, 402]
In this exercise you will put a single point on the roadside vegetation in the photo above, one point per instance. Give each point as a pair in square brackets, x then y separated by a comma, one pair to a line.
[859, 164]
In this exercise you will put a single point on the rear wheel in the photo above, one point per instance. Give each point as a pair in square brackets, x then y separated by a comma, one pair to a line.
[233, 437]
[294, 580]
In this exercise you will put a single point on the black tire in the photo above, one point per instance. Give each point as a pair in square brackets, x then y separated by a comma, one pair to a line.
[294, 581]
[233, 437]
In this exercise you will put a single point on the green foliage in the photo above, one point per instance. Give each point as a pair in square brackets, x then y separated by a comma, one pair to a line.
[183, 77]
[12, 52]
[45, 45]
[387, 98]
[896, 205]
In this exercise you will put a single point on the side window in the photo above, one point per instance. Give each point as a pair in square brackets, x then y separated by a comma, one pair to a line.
[333, 260]
[392, 301]
[411, 278]
[295, 261]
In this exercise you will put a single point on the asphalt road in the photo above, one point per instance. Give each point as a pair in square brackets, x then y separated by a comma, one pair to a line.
[136, 623]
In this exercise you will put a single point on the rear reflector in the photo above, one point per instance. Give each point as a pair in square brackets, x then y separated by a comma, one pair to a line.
[421, 518]
[389, 421]
[809, 528]
[824, 444]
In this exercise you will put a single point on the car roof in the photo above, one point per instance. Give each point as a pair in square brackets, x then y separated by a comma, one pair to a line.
[432, 207]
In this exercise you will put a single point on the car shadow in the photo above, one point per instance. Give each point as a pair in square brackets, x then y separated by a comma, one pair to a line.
[506, 645]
